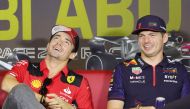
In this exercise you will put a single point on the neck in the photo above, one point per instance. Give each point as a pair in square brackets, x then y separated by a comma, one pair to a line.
[54, 65]
[152, 60]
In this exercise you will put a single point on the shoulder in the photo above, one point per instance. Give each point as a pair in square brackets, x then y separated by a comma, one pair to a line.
[173, 62]
[19, 69]
[21, 64]
[74, 78]
[176, 65]
[127, 63]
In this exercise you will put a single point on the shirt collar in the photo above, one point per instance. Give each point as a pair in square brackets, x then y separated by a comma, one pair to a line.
[43, 66]
[164, 61]
[143, 64]
[140, 61]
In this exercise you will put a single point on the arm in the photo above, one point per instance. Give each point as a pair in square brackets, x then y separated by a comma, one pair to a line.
[144, 107]
[116, 94]
[186, 82]
[14, 76]
[53, 101]
[83, 99]
[9, 82]
[84, 96]
[115, 104]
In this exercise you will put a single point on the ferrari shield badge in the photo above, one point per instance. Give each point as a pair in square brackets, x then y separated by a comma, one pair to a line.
[70, 79]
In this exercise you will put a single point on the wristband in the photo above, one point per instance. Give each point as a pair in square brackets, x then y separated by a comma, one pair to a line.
[42, 100]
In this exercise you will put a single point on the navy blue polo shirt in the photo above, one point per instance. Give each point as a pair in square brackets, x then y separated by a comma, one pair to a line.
[134, 82]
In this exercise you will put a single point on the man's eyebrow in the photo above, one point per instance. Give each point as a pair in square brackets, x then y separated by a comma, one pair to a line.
[152, 33]
[68, 39]
[141, 35]
[57, 35]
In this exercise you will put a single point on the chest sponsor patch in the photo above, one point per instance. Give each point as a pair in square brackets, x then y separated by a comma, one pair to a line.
[170, 70]
[66, 93]
[136, 70]
[132, 62]
[170, 79]
[170, 75]
[70, 79]
[137, 79]
[36, 83]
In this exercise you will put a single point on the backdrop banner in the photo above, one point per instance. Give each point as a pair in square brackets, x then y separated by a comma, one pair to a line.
[25, 27]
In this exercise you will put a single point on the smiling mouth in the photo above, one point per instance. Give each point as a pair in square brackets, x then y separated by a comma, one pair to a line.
[56, 49]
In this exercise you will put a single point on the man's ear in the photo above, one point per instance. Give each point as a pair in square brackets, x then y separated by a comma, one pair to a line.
[47, 46]
[165, 37]
[72, 55]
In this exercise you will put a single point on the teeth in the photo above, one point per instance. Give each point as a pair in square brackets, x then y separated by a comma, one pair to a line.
[146, 46]
[57, 49]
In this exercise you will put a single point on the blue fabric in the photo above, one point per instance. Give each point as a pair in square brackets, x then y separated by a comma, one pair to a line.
[133, 82]
[150, 22]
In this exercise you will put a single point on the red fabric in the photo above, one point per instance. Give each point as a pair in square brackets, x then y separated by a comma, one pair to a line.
[99, 84]
[68, 92]
[98, 81]
[3, 94]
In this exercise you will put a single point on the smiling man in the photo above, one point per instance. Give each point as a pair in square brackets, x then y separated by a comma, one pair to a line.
[49, 85]
[137, 82]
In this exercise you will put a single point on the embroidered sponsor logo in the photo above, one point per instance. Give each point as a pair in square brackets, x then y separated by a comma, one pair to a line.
[170, 79]
[140, 61]
[110, 88]
[163, 27]
[36, 83]
[171, 61]
[70, 79]
[67, 90]
[136, 70]
[170, 70]
[152, 24]
[132, 62]
[13, 73]
[137, 79]
[170, 76]
[66, 93]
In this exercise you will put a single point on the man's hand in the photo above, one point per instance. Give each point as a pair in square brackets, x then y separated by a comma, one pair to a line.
[55, 102]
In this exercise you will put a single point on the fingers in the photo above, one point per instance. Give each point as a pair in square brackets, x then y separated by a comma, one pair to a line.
[52, 95]
[53, 101]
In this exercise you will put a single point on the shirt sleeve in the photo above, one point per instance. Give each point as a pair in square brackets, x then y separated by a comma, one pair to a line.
[19, 69]
[116, 90]
[84, 96]
[186, 81]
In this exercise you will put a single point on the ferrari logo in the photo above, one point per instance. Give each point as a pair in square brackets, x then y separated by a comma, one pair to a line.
[70, 79]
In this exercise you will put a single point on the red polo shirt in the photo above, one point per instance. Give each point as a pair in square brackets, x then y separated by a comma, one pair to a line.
[68, 92]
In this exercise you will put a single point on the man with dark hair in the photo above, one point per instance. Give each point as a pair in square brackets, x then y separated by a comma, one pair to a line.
[49, 85]
[137, 82]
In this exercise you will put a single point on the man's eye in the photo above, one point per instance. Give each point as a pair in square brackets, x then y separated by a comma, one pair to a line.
[152, 35]
[67, 42]
[55, 38]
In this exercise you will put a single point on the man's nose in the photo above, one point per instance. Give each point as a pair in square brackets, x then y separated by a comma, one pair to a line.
[146, 38]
